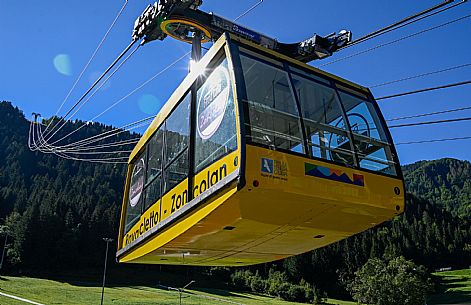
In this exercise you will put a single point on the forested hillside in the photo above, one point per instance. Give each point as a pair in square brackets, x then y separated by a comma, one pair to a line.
[446, 183]
[57, 212]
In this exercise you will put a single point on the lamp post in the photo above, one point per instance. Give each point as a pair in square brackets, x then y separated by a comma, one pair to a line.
[4, 229]
[183, 288]
[107, 240]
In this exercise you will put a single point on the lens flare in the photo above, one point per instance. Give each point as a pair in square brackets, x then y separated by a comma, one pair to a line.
[63, 64]
[149, 104]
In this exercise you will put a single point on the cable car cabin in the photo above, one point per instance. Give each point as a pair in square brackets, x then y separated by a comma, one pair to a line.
[254, 158]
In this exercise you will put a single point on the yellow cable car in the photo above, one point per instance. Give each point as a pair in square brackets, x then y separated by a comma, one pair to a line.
[254, 158]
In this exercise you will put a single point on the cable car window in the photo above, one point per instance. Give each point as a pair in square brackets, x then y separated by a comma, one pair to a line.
[154, 168]
[135, 196]
[216, 133]
[177, 133]
[177, 138]
[177, 171]
[154, 147]
[273, 117]
[153, 192]
[323, 120]
[371, 143]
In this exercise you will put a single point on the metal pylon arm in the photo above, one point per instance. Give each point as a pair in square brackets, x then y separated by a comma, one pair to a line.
[181, 18]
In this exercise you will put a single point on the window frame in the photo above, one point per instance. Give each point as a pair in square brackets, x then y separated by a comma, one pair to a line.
[164, 165]
[330, 82]
[244, 105]
[330, 85]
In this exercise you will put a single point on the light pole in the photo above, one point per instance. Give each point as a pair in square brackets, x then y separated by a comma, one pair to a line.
[183, 288]
[5, 230]
[107, 240]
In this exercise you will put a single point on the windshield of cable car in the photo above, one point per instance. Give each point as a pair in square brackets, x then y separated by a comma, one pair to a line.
[295, 111]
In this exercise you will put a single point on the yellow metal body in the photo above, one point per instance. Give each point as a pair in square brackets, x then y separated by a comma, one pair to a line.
[249, 214]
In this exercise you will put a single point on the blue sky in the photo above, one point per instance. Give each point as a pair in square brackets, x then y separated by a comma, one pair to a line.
[45, 44]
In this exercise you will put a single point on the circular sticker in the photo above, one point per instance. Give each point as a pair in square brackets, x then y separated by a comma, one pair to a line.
[137, 183]
[212, 103]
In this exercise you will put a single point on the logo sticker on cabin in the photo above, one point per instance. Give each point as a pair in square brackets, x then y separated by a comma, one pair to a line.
[332, 174]
[274, 169]
[212, 102]
[267, 166]
[137, 183]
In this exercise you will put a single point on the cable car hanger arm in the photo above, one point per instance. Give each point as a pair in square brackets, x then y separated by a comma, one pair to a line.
[180, 19]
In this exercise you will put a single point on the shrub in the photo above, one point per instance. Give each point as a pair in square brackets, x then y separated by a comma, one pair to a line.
[257, 284]
[275, 279]
[241, 279]
[296, 293]
[397, 282]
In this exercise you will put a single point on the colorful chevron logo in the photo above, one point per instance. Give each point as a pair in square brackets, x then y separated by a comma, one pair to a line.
[332, 174]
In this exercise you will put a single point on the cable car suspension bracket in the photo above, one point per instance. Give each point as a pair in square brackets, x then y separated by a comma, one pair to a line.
[181, 19]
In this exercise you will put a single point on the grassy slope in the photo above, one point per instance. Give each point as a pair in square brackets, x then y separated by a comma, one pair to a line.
[54, 292]
[457, 285]
[457, 290]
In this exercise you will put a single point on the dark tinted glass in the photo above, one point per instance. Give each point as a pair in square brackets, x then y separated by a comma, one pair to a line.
[371, 143]
[154, 146]
[273, 117]
[325, 127]
[177, 171]
[177, 133]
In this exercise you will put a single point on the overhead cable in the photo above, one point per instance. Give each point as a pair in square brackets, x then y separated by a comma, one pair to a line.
[424, 90]
[420, 75]
[95, 83]
[105, 135]
[430, 122]
[112, 160]
[433, 140]
[100, 44]
[108, 145]
[249, 10]
[90, 96]
[109, 160]
[428, 114]
[395, 41]
[127, 95]
[406, 21]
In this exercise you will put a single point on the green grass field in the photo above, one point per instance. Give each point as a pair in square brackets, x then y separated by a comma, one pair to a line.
[457, 287]
[456, 284]
[79, 293]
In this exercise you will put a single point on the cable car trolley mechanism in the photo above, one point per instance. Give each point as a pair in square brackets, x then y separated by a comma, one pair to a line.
[256, 156]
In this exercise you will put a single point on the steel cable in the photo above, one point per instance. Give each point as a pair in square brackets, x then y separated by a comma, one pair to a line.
[424, 90]
[94, 84]
[395, 41]
[405, 22]
[90, 96]
[100, 44]
[419, 75]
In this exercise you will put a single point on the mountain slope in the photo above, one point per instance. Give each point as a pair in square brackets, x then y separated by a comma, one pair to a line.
[59, 209]
[444, 182]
